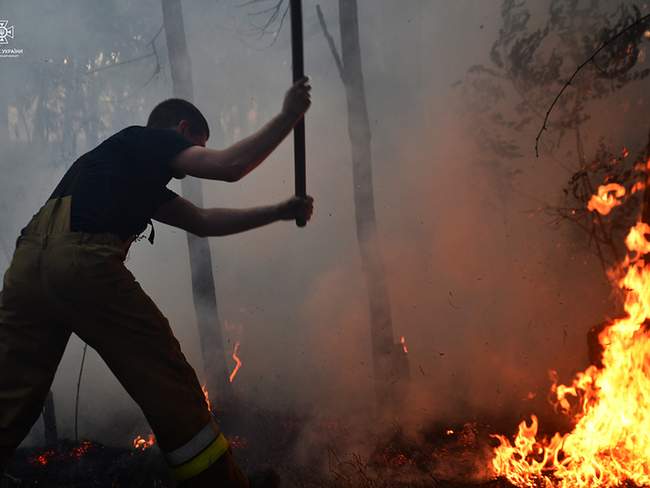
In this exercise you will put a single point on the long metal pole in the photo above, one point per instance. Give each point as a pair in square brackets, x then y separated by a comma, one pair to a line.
[298, 63]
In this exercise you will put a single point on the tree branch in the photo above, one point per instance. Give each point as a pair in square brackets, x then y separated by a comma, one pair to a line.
[578, 69]
[330, 41]
[274, 14]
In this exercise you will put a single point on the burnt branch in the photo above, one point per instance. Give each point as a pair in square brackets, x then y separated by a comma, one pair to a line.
[591, 59]
[271, 15]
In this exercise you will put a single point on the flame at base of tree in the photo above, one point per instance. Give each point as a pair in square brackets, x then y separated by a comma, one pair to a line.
[610, 406]
[235, 357]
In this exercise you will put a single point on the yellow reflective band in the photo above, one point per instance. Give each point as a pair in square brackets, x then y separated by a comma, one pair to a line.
[202, 461]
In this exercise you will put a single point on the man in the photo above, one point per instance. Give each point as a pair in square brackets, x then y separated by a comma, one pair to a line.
[67, 275]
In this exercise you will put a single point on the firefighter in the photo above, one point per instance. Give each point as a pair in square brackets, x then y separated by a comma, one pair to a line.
[67, 275]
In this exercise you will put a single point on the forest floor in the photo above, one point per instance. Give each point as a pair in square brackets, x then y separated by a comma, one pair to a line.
[436, 457]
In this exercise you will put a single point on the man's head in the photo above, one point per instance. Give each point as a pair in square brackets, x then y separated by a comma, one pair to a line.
[181, 116]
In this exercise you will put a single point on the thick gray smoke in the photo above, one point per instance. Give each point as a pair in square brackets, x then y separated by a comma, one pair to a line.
[487, 294]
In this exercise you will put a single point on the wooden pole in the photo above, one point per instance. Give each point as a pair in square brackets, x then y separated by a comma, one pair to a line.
[298, 63]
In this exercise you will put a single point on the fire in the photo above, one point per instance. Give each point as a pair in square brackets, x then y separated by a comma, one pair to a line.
[235, 358]
[81, 450]
[637, 187]
[44, 458]
[207, 396]
[608, 197]
[143, 444]
[610, 406]
[50, 456]
[402, 341]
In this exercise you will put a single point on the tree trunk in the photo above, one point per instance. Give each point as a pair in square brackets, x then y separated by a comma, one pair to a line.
[384, 351]
[203, 289]
[4, 117]
[49, 421]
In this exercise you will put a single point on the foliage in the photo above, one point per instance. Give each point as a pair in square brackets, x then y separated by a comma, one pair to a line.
[72, 89]
[530, 62]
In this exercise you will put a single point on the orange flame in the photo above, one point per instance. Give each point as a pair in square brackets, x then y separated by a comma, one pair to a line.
[143, 444]
[235, 358]
[207, 396]
[610, 406]
[608, 197]
[637, 187]
[402, 341]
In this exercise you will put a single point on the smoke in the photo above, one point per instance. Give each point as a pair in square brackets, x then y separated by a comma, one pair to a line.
[487, 294]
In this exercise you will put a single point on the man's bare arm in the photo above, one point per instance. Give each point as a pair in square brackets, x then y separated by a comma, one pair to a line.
[238, 160]
[208, 222]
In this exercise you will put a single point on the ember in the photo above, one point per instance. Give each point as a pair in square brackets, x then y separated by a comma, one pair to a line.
[81, 450]
[143, 444]
[74, 453]
[44, 458]
[402, 341]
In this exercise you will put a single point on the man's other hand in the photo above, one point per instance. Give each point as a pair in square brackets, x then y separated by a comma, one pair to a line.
[298, 99]
[296, 208]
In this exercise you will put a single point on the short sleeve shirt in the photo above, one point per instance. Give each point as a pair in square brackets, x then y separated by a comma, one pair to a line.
[118, 186]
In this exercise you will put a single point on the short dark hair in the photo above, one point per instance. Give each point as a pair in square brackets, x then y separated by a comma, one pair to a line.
[169, 113]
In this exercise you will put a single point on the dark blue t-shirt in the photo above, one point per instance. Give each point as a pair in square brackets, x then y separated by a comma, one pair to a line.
[118, 186]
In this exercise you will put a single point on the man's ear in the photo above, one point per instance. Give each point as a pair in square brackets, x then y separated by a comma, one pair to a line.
[183, 127]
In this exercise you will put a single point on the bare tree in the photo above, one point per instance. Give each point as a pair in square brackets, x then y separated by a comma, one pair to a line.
[389, 363]
[203, 289]
[387, 357]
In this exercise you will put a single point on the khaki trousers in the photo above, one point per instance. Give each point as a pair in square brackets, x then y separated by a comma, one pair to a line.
[61, 282]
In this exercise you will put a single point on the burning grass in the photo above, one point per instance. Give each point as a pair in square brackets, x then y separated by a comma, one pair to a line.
[440, 456]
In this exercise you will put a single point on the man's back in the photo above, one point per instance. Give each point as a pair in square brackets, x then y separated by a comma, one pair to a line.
[117, 187]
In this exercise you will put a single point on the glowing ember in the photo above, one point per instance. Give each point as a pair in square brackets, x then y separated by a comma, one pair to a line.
[207, 397]
[402, 341]
[44, 458]
[610, 406]
[143, 444]
[81, 450]
[235, 358]
[608, 197]
[52, 455]
[237, 442]
[530, 396]
[637, 187]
